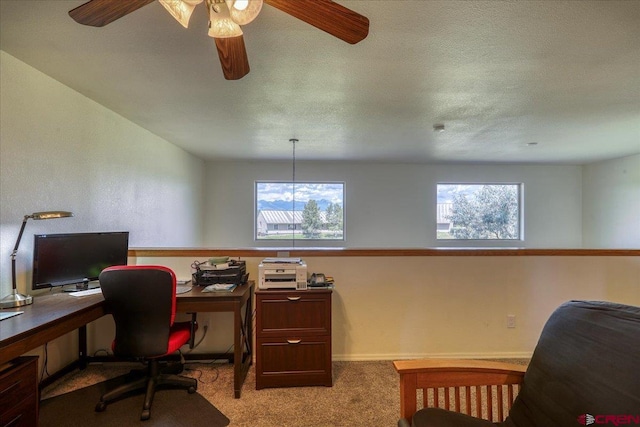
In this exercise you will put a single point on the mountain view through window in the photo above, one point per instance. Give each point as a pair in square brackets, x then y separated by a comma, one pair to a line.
[301, 210]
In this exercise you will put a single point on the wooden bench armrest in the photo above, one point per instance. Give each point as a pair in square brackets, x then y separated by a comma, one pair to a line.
[463, 365]
[457, 373]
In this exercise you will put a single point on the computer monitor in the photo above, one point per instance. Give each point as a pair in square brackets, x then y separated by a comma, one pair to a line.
[77, 258]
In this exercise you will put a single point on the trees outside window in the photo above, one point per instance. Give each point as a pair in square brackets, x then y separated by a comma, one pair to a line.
[478, 211]
[301, 210]
[335, 218]
[311, 222]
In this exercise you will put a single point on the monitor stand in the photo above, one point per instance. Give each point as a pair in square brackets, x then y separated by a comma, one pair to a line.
[83, 286]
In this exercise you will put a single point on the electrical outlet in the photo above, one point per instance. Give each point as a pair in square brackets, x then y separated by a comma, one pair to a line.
[511, 321]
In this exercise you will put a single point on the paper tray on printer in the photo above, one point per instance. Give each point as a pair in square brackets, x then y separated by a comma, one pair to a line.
[282, 260]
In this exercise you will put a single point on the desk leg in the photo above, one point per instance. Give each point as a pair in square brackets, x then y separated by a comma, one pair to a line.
[237, 350]
[82, 347]
[243, 332]
[248, 331]
[194, 326]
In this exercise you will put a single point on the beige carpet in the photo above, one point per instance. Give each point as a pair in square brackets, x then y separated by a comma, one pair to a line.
[364, 394]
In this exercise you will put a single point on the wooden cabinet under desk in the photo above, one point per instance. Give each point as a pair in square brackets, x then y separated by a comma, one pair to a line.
[19, 393]
[293, 338]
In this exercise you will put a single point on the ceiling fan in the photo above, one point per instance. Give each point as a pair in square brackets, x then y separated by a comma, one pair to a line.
[226, 16]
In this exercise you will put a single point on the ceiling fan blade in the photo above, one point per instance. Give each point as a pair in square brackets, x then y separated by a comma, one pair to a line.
[233, 57]
[99, 13]
[328, 16]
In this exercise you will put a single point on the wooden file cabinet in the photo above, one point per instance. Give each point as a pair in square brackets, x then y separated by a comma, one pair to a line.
[19, 393]
[293, 338]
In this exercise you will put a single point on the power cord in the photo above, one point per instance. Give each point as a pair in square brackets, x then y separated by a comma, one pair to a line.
[45, 362]
[205, 328]
[212, 362]
[199, 373]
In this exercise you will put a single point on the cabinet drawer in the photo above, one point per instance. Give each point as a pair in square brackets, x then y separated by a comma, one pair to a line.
[286, 362]
[24, 414]
[293, 313]
[19, 393]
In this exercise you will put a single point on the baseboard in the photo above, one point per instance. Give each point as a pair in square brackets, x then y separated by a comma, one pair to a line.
[405, 356]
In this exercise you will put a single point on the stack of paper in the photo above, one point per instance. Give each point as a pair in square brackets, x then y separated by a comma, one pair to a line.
[208, 266]
[220, 287]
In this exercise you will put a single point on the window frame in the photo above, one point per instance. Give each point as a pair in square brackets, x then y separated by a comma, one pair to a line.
[484, 242]
[293, 239]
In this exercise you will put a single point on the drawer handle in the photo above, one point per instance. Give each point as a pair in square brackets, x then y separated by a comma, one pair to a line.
[14, 385]
[293, 298]
[294, 341]
[14, 421]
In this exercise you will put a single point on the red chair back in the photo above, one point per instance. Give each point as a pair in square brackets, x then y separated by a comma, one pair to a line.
[142, 300]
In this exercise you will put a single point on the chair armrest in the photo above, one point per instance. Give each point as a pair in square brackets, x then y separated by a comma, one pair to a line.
[462, 375]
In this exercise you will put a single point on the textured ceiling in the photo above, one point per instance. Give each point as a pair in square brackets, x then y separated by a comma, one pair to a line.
[498, 74]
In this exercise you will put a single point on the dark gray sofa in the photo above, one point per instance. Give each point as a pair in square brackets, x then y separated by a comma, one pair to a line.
[585, 370]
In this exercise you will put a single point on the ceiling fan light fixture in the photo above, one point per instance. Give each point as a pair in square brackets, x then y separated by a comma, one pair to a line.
[220, 23]
[244, 11]
[326, 15]
[181, 10]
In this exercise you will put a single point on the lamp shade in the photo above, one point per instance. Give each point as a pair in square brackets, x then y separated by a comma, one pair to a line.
[220, 23]
[181, 10]
[51, 214]
[244, 11]
[16, 299]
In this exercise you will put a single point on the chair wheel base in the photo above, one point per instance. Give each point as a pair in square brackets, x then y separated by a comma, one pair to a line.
[146, 414]
[101, 406]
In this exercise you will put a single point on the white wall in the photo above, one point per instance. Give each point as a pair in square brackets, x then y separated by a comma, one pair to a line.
[611, 203]
[394, 205]
[62, 151]
[442, 306]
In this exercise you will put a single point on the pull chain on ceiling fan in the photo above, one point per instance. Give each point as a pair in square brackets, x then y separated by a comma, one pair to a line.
[226, 17]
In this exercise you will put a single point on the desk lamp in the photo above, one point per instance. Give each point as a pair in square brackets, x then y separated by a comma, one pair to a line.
[15, 299]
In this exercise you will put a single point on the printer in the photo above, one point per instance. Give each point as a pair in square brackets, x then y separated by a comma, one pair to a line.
[282, 273]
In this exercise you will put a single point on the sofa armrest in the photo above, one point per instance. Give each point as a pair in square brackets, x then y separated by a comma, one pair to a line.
[456, 383]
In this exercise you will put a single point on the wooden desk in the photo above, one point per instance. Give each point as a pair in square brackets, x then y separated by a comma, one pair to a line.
[196, 301]
[56, 314]
[49, 317]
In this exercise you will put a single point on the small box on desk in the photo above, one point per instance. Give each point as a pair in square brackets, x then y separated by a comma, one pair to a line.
[235, 272]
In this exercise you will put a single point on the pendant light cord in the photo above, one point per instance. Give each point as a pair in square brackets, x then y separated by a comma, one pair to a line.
[293, 178]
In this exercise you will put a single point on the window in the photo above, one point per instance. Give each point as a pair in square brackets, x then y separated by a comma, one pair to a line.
[478, 211]
[304, 210]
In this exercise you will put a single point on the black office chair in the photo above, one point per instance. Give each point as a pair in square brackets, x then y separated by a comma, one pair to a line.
[142, 300]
